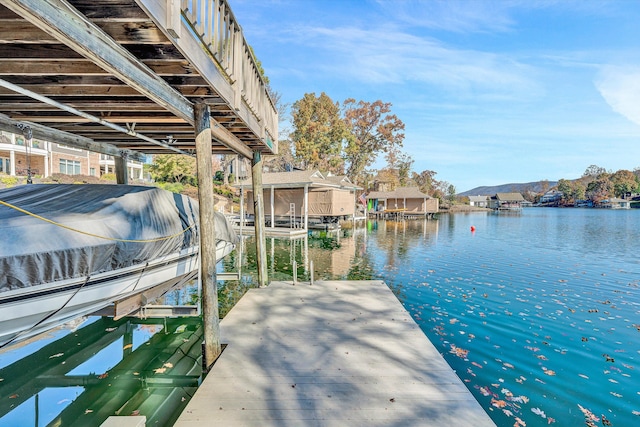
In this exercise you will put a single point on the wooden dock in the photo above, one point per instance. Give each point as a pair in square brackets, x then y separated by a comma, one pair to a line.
[335, 353]
[292, 233]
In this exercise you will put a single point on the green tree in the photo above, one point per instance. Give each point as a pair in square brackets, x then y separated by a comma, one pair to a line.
[600, 188]
[624, 181]
[319, 132]
[173, 168]
[564, 186]
[451, 193]
[372, 130]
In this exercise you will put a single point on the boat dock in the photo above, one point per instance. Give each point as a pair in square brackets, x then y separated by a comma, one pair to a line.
[292, 233]
[335, 353]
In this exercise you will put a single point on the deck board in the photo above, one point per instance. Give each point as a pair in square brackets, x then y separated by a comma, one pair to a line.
[336, 353]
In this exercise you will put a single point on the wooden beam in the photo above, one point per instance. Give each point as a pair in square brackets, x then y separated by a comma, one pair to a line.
[48, 134]
[226, 138]
[204, 168]
[258, 209]
[122, 174]
[59, 19]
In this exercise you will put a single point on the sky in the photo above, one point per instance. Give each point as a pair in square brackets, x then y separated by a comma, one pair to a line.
[490, 92]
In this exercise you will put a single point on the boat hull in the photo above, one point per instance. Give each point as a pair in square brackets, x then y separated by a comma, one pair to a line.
[27, 312]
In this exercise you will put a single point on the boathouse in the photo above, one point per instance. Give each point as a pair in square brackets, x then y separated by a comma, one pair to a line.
[616, 203]
[506, 201]
[128, 78]
[478, 201]
[304, 199]
[403, 201]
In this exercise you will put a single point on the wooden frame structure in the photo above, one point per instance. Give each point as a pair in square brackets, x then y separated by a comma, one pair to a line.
[134, 77]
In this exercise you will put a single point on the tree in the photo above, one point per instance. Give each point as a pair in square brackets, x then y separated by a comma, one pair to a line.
[371, 131]
[319, 132]
[624, 181]
[174, 168]
[425, 181]
[400, 163]
[600, 188]
[594, 171]
[451, 193]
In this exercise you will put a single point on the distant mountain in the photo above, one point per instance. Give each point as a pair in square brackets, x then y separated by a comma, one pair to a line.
[509, 188]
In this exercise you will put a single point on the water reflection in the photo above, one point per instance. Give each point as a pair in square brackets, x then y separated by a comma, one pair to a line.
[128, 367]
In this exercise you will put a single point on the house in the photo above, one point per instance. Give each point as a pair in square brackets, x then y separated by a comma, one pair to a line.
[551, 196]
[307, 199]
[479, 201]
[19, 157]
[506, 201]
[615, 203]
[405, 200]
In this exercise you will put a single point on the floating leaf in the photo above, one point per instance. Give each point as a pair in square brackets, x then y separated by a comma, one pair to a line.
[539, 412]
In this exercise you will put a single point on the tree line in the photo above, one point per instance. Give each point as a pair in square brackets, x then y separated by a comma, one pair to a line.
[341, 138]
[597, 184]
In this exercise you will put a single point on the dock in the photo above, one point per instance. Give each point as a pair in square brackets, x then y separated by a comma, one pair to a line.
[292, 233]
[335, 353]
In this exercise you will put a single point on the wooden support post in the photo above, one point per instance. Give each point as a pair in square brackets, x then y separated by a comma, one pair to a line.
[273, 213]
[122, 177]
[258, 209]
[210, 315]
[306, 207]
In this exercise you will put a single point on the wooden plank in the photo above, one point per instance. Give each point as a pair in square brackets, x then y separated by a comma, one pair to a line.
[60, 20]
[333, 354]
[53, 67]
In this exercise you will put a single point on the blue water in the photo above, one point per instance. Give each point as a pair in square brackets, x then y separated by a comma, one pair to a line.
[538, 312]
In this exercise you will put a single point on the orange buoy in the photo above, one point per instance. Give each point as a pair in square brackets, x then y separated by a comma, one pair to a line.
[473, 228]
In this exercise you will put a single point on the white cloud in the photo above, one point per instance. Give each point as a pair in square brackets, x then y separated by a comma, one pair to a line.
[620, 88]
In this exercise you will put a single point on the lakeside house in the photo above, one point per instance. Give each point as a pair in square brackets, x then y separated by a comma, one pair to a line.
[407, 201]
[19, 157]
[616, 203]
[304, 199]
[551, 196]
[506, 201]
[478, 201]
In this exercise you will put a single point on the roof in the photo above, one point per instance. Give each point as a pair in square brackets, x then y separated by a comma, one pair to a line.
[298, 179]
[510, 197]
[399, 193]
[477, 198]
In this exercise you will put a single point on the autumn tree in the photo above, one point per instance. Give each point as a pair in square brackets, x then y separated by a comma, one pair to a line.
[400, 164]
[594, 171]
[318, 132]
[371, 130]
[600, 188]
[624, 181]
[425, 181]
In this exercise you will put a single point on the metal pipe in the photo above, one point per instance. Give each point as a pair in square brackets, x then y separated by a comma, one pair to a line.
[89, 117]
[311, 272]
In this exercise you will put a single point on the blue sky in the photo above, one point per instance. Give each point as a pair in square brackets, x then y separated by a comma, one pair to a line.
[491, 92]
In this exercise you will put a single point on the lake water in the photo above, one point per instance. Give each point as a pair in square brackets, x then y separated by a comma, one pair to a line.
[538, 313]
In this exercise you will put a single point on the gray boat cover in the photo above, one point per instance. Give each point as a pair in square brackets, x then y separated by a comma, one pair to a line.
[144, 222]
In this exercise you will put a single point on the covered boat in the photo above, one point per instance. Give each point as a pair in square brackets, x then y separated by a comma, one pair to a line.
[66, 250]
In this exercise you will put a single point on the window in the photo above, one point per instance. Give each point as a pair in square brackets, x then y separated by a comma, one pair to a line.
[69, 167]
[5, 165]
[92, 171]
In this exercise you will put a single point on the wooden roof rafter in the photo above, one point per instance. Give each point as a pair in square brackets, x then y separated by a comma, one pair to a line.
[115, 60]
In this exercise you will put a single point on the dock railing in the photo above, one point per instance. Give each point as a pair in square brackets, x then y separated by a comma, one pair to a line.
[222, 37]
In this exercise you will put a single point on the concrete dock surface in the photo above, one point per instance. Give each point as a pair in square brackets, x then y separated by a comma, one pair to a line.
[335, 353]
